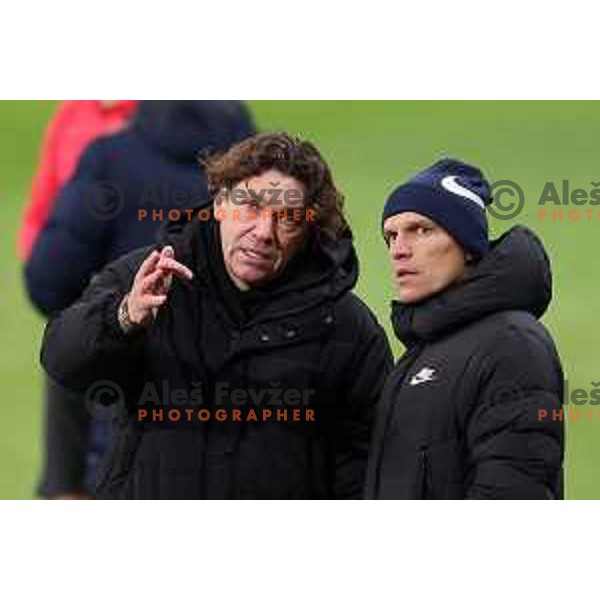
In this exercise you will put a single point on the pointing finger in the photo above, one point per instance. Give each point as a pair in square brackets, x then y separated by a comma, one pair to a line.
[170, 265]
[149, 264]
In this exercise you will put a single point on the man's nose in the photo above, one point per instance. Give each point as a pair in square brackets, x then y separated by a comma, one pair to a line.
[400, 249]
[264, 229]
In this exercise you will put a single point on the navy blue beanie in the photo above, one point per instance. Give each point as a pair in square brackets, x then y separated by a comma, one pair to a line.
[451, 193]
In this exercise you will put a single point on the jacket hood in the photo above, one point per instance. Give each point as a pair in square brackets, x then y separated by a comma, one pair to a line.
[514, 274]
[182, 129]
[323, 271]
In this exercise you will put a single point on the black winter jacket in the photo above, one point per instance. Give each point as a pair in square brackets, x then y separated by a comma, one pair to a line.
[306, 331]
[459, 414]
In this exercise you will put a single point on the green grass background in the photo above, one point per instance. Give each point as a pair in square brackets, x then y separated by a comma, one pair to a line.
[371, 146]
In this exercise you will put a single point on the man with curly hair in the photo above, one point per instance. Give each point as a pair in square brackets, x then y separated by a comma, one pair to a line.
[243, 364]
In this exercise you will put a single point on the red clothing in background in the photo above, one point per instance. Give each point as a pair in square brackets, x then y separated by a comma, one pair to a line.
[75, 124]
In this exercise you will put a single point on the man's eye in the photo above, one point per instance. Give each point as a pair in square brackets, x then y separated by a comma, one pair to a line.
[250, 205]
[423, 230]
[289, 224]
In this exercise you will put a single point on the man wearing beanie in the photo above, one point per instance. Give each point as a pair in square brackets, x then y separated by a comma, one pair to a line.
[467, 411]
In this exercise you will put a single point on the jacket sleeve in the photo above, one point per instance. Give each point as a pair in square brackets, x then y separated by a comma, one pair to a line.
[364, 374]
[84, 344]
[514, 444]
[70, 248]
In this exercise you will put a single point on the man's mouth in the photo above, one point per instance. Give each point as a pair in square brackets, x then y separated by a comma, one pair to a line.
[404, 273]
[256, 255]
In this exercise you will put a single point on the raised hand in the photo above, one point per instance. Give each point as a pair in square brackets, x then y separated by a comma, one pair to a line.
[152, 283]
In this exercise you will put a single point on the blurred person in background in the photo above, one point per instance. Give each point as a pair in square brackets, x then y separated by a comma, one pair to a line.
[459, 417]
[250, 302]
[151, 165]
[75, 124]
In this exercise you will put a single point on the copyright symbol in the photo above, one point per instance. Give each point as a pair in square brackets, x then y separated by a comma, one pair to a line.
[504, 400]
[504, 210]
[104, 400]
[104, 200]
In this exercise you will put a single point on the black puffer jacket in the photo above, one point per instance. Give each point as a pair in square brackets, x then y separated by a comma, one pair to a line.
[459, 414]
[305, 332]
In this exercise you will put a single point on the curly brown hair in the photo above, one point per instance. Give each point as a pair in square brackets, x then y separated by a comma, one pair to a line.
[291, 156]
